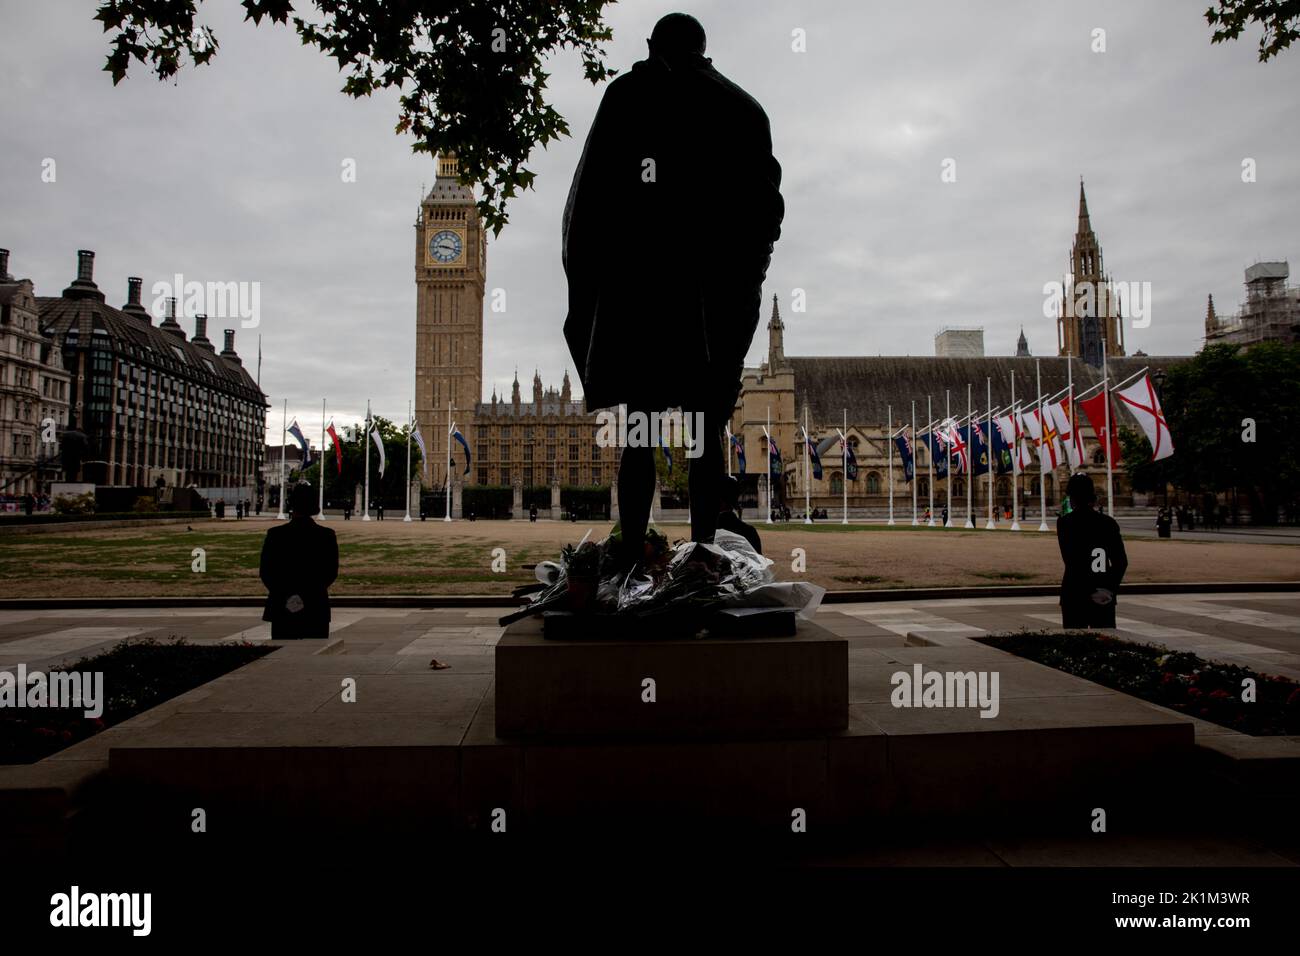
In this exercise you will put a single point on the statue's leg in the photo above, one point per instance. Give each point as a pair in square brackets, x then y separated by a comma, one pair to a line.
[705, 482]
[636, 492]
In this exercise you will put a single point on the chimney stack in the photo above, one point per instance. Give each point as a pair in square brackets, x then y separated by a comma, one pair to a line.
[133, 306]
[169, 322]
[229, 352]
[201, 332]
[83, 287]
[4, 266]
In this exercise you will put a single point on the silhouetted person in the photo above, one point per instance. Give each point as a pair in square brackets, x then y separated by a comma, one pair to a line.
[300, 560]
[729, 517]
[1094, 557]
[1163, 523]
[661, 312]
[380, 511]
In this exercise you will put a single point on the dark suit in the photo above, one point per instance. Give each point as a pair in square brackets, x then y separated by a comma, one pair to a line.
[299, 558]
[1079, 534]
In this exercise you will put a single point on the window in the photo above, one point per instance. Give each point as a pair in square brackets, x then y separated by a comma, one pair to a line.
[573, 476]
[573, 453]
[873, 483]
[837, 484]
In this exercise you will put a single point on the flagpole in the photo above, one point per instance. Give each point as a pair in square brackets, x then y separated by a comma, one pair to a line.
[322, 459]
[1015, 458]
[768, 432]
[947, 413]
[988, 450]
[365, 515]
[807, 481]
[1069, 413]
[284, 437]
[929, 447]
[970, 456]
[1042, 458]
[447, 515]
[844, 460]
[889, 438]
[728, 436]
[915, 520]
[1105, 394]
[409, 422]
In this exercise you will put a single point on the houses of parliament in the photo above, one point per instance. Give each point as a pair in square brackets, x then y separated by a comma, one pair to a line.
[547, 438]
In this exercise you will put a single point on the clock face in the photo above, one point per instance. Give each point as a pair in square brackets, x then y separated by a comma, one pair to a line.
[445, 246]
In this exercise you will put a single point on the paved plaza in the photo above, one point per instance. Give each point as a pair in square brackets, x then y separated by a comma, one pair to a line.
[1260, 631]
[268, 724]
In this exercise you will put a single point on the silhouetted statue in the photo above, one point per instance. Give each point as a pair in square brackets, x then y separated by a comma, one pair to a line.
[729, 517]
[1094, 557]
[300, 560]
[668, 233]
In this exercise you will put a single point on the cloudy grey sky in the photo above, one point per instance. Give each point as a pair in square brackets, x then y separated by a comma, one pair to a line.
[233, 173]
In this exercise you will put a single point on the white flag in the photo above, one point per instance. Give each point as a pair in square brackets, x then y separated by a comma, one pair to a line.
[1065, 428]
[419, 441]
[1140, 398]
[374, 434]
[1048, 449]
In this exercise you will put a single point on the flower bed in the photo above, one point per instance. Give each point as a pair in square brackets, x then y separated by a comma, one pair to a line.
[1175, 679]
[138, 675]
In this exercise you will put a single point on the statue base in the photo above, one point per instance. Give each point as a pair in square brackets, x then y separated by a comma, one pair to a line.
[673, 687]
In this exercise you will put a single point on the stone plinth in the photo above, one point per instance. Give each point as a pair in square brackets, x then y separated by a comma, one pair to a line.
[710, 688]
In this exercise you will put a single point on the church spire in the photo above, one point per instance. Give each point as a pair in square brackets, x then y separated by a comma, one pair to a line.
[1084, 225]
[1211, 319]
[775, 338]
[1022, 345]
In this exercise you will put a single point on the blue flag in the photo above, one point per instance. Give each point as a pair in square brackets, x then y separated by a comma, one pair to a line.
[850, 463]
[740, 452]
[464, 444]
[296, 432]
[978, 449]
[905, 452]
[668, 457]
[773, 458]
[938, 454]
[1001, 452]
[813, 457]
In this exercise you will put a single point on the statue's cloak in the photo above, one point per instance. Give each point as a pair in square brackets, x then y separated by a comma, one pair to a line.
[668, 232]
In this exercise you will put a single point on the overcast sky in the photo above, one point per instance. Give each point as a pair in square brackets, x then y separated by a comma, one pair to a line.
[233, 173]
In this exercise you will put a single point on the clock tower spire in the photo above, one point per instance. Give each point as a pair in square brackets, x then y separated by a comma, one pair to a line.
[450, 273]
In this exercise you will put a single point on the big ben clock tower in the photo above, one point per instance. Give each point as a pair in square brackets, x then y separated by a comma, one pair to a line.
[450, 267]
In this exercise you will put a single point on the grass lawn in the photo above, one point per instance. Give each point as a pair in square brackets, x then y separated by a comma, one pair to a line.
[393, 557]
